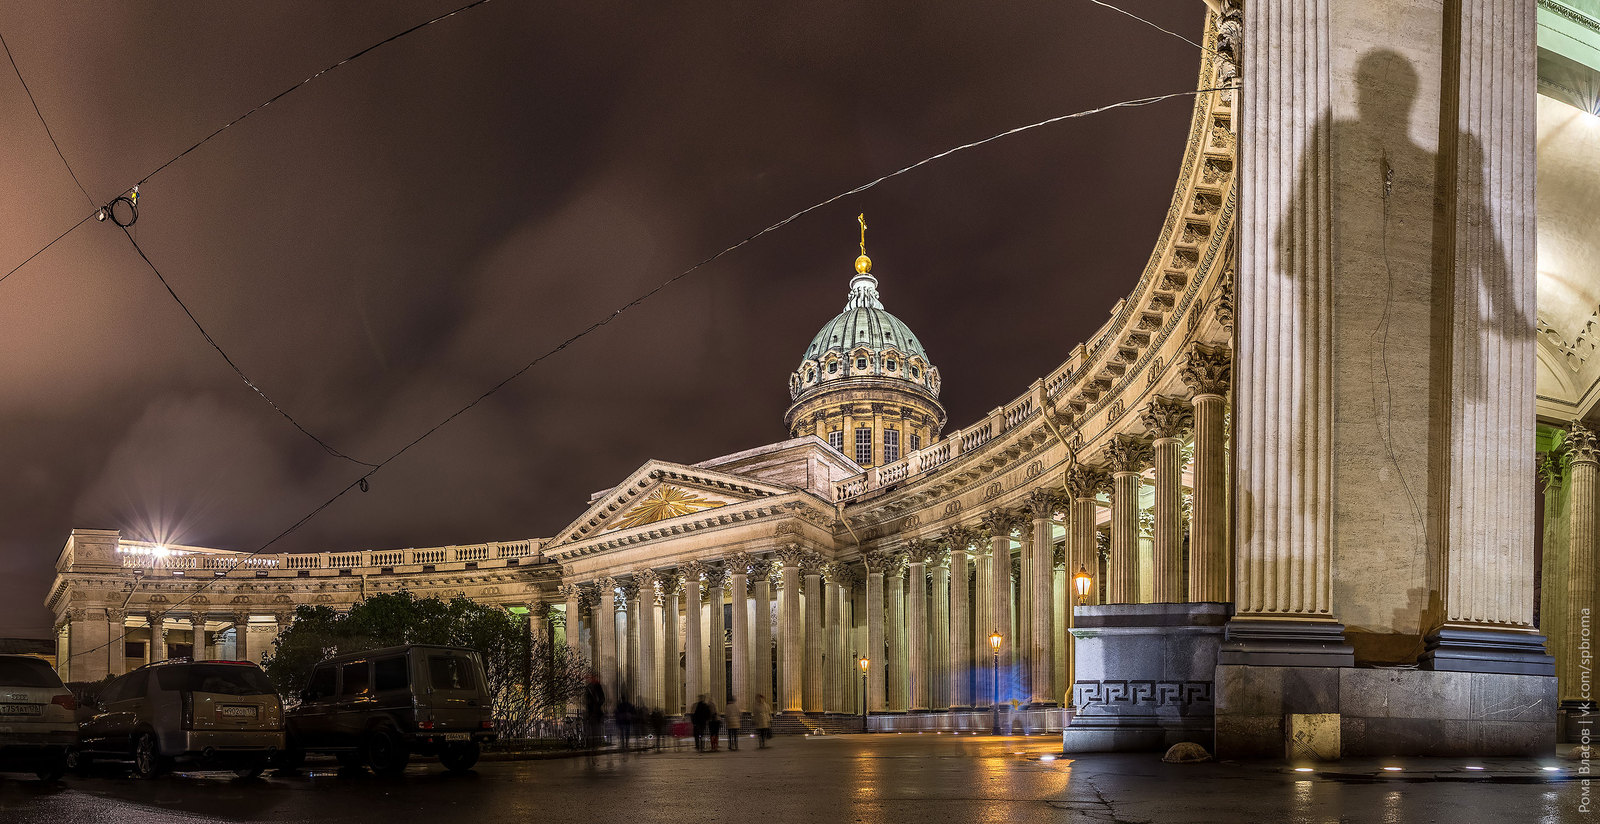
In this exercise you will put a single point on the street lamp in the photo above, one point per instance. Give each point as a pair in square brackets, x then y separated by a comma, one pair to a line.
[994, 644]
[864, 662]
[1082, 582]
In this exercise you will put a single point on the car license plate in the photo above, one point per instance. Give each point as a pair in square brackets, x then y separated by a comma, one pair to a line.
[238, 712]
[21, 709]
[457, 736]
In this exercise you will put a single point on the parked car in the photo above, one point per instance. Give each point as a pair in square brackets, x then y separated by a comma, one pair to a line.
[378, 708]
[37, 717]
[205, 714]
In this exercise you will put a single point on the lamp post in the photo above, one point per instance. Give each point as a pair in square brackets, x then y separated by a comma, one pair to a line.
[863, 662]
[1082, 582]
[994, 644]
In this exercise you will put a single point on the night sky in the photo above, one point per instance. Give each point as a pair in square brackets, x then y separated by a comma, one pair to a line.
[398, 235]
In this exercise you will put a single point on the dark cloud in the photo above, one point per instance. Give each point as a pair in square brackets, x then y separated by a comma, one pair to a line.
[392, 239]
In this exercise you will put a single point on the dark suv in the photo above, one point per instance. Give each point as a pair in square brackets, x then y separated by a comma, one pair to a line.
[209, 714]
[377, 708]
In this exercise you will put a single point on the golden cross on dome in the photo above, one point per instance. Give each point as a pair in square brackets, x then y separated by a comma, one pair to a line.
[862, 219]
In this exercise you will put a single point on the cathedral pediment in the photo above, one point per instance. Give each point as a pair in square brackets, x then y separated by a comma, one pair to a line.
[661, 491]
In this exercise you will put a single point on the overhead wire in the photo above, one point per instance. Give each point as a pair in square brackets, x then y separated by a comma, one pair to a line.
[326, 447]
[1151, 24]
[361, 482]
[47, 132]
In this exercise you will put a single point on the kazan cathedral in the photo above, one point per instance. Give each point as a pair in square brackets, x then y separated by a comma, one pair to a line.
[1323, 484]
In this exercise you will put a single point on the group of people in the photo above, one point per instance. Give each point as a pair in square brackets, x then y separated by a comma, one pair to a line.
[707, 722]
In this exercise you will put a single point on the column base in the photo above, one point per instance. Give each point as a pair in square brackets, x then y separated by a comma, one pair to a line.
[1475, 649]
[1267, 642]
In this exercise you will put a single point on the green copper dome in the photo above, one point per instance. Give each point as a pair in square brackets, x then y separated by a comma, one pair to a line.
[865, 341]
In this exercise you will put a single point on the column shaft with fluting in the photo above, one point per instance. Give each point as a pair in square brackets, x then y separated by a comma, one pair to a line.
[694, 647]
[738, 589]
[671, 670]
[790, 623]
[197, 629]
[917, 618]
[1165, 420]
[836, 677]
[1208, 372]
[977, 643]
[876, 562]
[574, 596]
[899, 651]
[628, 684]
[939, 629]
[959, 631]
[606, 632]
[717, 637]
[1583, 542]
[1084, 483]
[1128, 457]
[649, 686]
[761, 642]
[1001, 524]
[1042, 504]
[813, 604]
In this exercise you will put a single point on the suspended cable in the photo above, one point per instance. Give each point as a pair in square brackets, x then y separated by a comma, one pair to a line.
[362, 482]
[1123, 11]
[326, 447]
[42, 122]
[43, 248]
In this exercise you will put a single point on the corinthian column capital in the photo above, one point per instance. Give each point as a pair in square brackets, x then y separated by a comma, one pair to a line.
[1581, 444]
[1127, 454]
[1209, 370]
[1167, 417]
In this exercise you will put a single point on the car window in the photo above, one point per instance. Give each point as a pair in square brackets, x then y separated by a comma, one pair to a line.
[357, 678]
[223, 679]
[322, 681]
[116, 689]
[391, 674]
[447, 671]
[27, 672]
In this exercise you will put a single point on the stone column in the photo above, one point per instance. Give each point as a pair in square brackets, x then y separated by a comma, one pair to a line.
[605, 620]
[158, 635]
[197, 629]
[629, 681]
[790, 623]
[1207, 373]
[1283, 409]
[241, 633]
[116, 646]
[717, 640]
[877, 562]
[959, 634]
[1022, 604]
[813, 605]
[1084, 483]
[938, 633]
[1165, 420]
[917, 670]
[1583, 539]
[982, 678]
[1041, 506]
[1061, 600]
[1128, 457]
[738, 566]
[761, 660]
[899, 670]
[694, 647]
[1001, 524]
[834, 684]
[648, 685]
[1553, 565]
[672, 688]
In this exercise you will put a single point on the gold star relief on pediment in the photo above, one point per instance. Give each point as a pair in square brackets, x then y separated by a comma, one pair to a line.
[665, 502]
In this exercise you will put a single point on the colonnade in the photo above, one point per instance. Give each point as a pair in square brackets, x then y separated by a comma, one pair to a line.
[96, 642]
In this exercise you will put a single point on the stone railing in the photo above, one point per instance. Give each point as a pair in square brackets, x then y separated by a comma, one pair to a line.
[150, 556]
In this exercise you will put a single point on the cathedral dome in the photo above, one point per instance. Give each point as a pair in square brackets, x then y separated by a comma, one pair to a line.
[865, 384]
[864, 341]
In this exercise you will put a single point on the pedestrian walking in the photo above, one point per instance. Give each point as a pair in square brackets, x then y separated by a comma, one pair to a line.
[625, 718]
[594, 713]
[733, 725]
[714, 729]
[658, 726]
[762, 718]
[700, 716]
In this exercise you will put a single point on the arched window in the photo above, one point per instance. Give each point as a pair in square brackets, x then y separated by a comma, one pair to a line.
[891, 365]
[861, 362]
[833, 367]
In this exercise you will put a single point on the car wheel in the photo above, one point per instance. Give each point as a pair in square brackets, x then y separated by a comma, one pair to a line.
[52, 768]
[148, 762]
[385, 752]
[254, 769]
[79, 761]
[459, 757]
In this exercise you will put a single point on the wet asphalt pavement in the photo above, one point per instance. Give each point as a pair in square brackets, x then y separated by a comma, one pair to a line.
[914, 779]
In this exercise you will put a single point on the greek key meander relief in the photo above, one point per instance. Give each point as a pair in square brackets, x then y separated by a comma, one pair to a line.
[1141, 693]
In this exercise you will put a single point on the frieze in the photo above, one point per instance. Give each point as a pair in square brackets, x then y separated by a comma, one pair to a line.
[1134, 693]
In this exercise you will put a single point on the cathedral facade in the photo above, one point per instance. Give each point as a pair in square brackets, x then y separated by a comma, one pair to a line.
[1301, 456]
